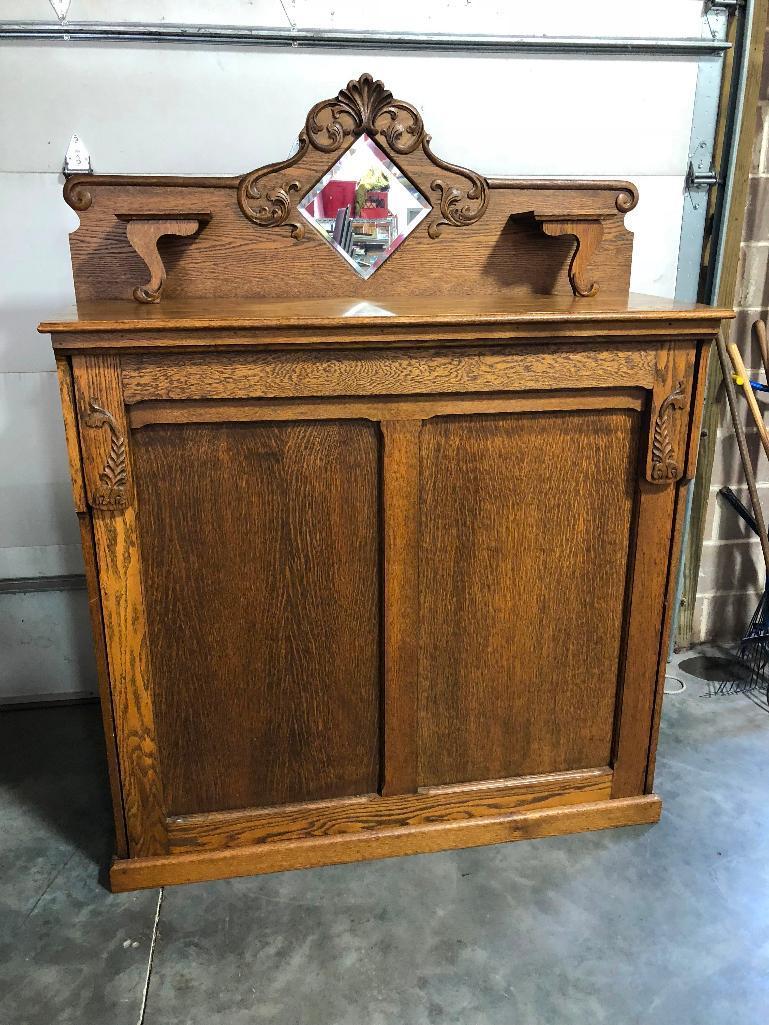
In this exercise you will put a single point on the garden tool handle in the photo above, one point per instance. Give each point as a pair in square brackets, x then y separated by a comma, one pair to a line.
[743, 512]
[759, 330]
[741, 372]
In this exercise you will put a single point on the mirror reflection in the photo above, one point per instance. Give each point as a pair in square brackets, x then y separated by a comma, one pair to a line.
[365, 207]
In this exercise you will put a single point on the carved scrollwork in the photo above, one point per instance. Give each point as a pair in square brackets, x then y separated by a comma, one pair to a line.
[367, 106]
[588, 231]
[111, 490]
[77, 194]
[458, 206]
[627, 199]
[144, 230]
[664, 464]
[268, 195]
[264, 195]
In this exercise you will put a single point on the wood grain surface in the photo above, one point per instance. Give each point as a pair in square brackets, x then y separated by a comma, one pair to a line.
[69, 415]
[648, 577]
[380, 407]
[668, 609]
[434, 313]
[234, 258]
[372, 812]
[651, 552]
[224, 864]
[396, 371]
[676, 542]
[700, 357]
[400, 603]
[117, 542]
[106, 704]
[262, 590]
[523, 560]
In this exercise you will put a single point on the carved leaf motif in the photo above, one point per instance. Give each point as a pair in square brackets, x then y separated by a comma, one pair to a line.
[264, 196]
[111, 491]
[664, 464]
[458, 206]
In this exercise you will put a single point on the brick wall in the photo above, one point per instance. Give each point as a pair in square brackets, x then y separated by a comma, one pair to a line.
[732, 570]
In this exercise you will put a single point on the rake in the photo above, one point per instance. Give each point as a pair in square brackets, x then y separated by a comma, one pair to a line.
[753, 647]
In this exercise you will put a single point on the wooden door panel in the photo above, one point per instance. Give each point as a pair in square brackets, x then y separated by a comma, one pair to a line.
[525, 530]
[261, 584]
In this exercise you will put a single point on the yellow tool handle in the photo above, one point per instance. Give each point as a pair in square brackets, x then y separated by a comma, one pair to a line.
[759, 329]
[739, 370]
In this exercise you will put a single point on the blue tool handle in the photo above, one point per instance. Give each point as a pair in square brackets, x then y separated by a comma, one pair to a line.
[739, 508]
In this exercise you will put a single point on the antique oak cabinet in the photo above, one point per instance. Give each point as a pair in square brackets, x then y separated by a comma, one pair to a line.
[380, 475]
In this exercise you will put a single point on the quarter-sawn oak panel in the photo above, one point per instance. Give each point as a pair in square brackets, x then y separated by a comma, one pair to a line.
[523, 563]
[262, 586]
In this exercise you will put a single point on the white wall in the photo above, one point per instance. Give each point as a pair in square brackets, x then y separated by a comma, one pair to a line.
[221, 110]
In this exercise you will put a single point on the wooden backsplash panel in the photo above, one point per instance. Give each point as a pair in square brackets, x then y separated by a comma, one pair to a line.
[234, 258]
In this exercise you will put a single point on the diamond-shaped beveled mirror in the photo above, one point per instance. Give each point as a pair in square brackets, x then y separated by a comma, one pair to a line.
[364, 206]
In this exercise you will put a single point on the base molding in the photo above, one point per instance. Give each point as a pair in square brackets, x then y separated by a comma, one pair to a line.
[167, 870]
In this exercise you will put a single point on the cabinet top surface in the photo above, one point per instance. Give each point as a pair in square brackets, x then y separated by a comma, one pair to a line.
[205, 314]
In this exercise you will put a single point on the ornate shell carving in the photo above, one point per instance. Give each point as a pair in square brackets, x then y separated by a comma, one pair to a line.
[458, 206]
[367, 106]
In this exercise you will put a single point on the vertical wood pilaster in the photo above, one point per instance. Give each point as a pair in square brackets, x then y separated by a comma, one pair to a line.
[400, 506]
[103, 435]
[649, 575]
[655, 549]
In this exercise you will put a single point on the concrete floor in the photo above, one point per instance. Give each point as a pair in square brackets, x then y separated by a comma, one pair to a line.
[652, 925]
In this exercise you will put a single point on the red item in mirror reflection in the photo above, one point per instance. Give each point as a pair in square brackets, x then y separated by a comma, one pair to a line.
[335, 196]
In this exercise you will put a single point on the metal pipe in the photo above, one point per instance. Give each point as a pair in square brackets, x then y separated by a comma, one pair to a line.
[315, 38]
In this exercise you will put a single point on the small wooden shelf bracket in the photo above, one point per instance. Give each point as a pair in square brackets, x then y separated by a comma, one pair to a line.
[587, 229]
[143, 231]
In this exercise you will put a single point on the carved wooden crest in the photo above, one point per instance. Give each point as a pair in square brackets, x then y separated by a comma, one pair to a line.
[268, 195]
